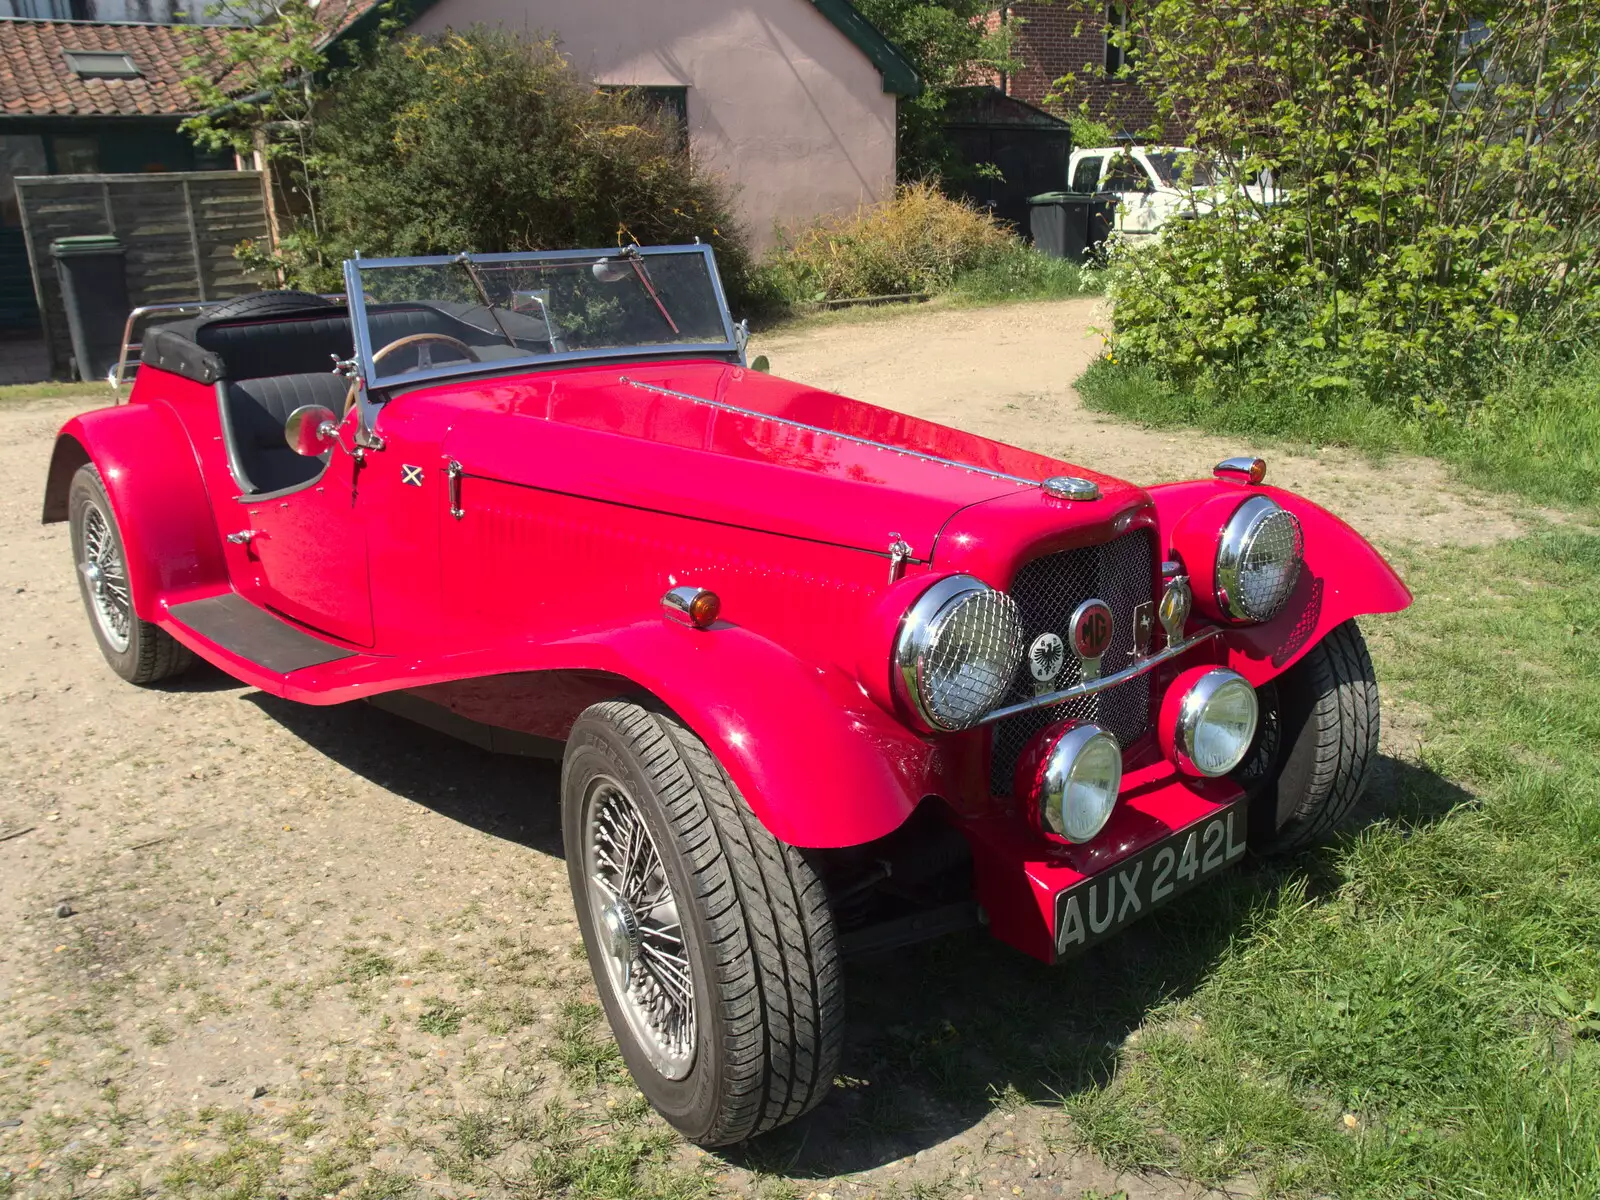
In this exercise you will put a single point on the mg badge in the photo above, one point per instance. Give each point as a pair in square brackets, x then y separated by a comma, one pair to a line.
[1090, 630]
[1046, 657]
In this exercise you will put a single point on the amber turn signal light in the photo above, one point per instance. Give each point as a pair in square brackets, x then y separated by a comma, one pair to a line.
[1241, 470]
[694, 606]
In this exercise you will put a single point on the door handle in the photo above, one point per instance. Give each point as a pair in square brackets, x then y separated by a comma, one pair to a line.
[244, 537]
[454, 472]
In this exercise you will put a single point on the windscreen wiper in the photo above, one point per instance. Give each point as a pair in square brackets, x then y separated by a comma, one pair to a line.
[465, 260]
[636, 261]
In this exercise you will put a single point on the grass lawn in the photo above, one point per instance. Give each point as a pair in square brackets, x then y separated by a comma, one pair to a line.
[1409, 1011]
[1415, 1010]
[1538, 434]
[95, 392]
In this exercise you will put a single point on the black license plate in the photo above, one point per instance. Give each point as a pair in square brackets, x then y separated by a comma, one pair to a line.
[1093, 910]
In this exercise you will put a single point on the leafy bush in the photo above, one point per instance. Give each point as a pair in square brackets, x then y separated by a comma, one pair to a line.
[481, 141]
[1440, 224]
[918, 242]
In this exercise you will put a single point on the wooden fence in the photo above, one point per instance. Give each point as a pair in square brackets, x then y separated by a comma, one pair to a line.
[179, 229]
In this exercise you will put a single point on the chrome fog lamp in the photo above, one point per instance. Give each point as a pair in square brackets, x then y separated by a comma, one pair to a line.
[1215, 722]
[1259, 556]
[1070, 779]
[957, 651]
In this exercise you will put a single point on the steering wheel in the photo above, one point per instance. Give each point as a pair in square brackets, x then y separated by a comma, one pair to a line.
[424, 359]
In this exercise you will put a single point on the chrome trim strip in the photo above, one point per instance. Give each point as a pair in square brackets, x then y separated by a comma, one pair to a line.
[1091, 687]
[834, 433]
[499, 256]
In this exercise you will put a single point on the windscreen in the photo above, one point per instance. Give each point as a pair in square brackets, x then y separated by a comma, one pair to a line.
[1181, 168]
[433, 315]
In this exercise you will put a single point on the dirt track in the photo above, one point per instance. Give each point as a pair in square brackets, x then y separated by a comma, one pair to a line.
[321, 951]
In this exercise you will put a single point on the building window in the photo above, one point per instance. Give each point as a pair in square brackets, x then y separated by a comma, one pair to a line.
[670, 105]
[101, 64]
[1118, 54]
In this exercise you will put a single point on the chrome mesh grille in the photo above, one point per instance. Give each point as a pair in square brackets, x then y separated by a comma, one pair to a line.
[965, 664]
[1270, 565]
[1046, 591]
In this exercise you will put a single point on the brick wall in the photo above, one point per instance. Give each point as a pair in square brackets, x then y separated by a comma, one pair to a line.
[1069, 37]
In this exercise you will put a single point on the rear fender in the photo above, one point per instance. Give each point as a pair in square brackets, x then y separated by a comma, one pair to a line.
[149, 469]
[1343, 577]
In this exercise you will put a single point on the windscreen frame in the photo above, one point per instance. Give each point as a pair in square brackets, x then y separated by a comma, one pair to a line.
[356, 296]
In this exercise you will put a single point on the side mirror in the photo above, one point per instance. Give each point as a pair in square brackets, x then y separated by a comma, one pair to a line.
[311, 430]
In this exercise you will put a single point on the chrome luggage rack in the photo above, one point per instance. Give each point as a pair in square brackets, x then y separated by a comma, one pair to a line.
[119, 374]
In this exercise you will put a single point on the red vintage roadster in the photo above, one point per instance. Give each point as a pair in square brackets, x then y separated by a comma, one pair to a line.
[824, 679]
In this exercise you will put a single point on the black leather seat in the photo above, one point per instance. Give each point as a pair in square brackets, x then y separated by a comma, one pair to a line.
[257, 410]
[305, 345]
[277, 345]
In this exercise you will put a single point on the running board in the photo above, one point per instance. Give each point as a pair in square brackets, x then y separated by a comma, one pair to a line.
[233, 624]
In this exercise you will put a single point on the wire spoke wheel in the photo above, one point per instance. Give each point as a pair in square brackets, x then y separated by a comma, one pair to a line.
[711, 942]
[103, 569]
[643, 954]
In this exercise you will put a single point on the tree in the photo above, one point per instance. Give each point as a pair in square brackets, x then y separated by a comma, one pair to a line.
[261, 96]
[1440, 210]
[472, 141]
[481, 141]
[952, 44]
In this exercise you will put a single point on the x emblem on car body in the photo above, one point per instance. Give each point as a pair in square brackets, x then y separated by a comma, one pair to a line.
[410, 476]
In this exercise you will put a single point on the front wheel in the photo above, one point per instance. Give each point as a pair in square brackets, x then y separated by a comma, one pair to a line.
[711, 942]
[1315, 746]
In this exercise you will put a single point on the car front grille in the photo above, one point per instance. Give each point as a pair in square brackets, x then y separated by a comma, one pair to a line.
[1047, 590]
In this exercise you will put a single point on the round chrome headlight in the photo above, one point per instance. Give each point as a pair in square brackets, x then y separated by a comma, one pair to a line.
[1077, 781]
[957, 650]
[1216, 722]
[1258, 560]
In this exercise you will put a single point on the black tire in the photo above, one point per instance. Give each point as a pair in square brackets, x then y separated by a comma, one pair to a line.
[266, 304]
[768, 998]
[1316, 745]
[137, 650]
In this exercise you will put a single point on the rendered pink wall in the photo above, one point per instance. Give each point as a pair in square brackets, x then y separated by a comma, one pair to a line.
[781, 103]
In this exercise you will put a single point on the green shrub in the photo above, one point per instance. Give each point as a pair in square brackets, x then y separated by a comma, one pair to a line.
[481, 141]
[918, 242]
[1439, 226]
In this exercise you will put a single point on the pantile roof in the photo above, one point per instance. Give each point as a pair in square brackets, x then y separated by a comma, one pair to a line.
[37, 81]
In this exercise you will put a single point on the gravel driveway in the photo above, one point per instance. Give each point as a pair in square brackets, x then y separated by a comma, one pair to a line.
[256, 950]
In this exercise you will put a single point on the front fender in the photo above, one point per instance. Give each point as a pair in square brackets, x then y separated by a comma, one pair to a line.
[1343, 577]
[151, 476]
[818, 763]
